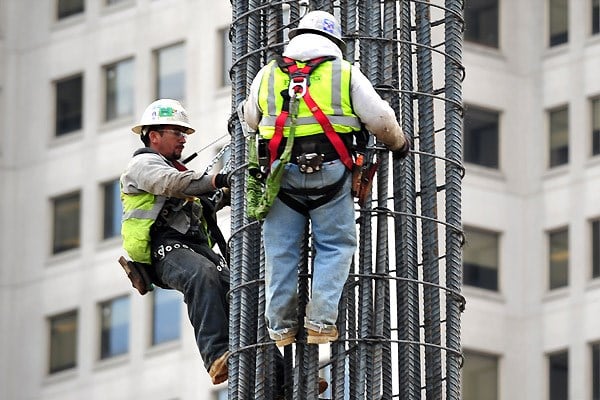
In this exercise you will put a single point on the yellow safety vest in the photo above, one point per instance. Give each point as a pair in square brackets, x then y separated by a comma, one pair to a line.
[139, 213]
[329, 87]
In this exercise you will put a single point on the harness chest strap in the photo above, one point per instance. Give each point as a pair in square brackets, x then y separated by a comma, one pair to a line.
[299, 84]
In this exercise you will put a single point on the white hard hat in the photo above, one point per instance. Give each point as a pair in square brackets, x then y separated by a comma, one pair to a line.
[322, 23]
[164, 112]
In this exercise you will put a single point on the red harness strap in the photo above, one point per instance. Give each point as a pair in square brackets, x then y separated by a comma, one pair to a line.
[299, 83]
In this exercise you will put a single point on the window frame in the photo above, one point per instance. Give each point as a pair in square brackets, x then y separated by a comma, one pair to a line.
[561, 37]
[105, 71]
[594, 104]
[59, 247]
[594, 229]
[557, 159]
[497, 236]
[105, 349]
[494, 8]
[552, 380]
[495, 358]
[482, 161]
[157, 71]
[113, 214]
[70, 14]
[560, 230]
[58, 132]
[66, 316]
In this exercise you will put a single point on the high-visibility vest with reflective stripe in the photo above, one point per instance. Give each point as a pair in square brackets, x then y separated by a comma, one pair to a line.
[329, 87]
[139, 213]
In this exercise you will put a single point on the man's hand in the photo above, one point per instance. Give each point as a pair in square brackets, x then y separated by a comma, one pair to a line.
[222, 180]
[404, 150]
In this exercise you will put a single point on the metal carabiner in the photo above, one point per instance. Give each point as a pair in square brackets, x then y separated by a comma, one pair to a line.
[298, 82]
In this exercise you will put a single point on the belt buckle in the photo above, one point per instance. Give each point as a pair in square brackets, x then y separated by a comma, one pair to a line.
[309, 163]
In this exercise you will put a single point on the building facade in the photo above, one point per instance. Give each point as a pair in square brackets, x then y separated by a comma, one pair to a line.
[76, 74]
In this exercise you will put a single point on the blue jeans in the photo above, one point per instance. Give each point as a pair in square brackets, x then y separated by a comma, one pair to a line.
[204, 286]
[334, 235]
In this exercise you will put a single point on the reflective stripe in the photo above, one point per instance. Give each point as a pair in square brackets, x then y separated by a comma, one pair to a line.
[146, 214]
[336, 91]
[351, 121]
[271, 88]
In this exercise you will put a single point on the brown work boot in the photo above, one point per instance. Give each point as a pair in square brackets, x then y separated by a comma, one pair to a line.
[322, 336]
[323, 385]
[218, 369]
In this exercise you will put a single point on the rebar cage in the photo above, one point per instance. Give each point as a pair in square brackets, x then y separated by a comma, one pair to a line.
[399, 317]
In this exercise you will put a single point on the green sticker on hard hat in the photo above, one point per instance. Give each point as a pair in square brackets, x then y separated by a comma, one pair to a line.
[165, 112]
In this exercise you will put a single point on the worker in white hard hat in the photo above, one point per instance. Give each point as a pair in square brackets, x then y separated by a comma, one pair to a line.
[169, 227]
[334, 100]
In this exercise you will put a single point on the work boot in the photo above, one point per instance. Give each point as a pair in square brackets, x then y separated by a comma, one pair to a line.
[218, 369]
[321, 336]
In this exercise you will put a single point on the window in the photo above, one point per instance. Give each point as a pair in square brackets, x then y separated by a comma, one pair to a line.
[480, 259]
[114, 338]
[480, 376]
[559, 136]
[595, 248]
[109, 2]
[559, 22]
[63, 341]
[113, 209]
[166, 311]
[595, 16]
[596, 126]
[558, 376]
[226, 57]
[66, 8]
[596, 371]
[69, 105]
[170, 68]
[119, 89]
[66, 222]
[481, 22]
[481, 137]
[559, 258]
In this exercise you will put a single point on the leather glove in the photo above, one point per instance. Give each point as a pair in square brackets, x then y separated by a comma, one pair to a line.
[404, 150]
[222, 181]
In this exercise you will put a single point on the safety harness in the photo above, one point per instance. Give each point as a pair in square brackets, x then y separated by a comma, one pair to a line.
[299, 88]
[299, 84]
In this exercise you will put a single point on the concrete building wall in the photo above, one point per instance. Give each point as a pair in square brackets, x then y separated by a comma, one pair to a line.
[522, 200]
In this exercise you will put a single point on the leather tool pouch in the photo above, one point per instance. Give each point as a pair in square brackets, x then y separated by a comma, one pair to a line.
[138, 275]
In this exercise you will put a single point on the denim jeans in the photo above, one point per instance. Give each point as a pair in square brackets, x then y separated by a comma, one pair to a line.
[204, 286]
[334, 237]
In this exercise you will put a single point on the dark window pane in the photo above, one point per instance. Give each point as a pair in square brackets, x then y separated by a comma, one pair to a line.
[115, 327]
[119, 90]
[63, 342]
[113, 209]
[559, 376]
[595, 16]
[66, 222]
[67, 8]
[596, 371]
[559, 136]
[596, 248]
[480, 259]
[167, 316]
[559, 258]
[69, 95]
[596, 126]
[171, 73]
[481, 22]
[481, 137]
[559, 22]
[480, 377]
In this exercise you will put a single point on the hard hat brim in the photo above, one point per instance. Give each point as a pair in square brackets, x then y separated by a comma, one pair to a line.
[298, 31]
[189, 130]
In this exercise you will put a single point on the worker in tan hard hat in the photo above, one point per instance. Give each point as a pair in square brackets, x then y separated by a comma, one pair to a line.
[169, 227]
[312, 92]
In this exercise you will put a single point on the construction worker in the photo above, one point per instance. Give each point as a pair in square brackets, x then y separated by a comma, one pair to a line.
[170, 230]
[312, 92]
